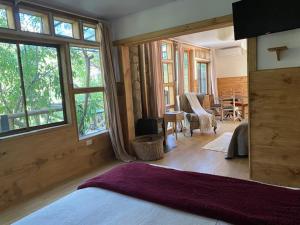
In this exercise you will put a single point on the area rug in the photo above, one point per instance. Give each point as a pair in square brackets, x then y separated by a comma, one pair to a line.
[235, 201]
[220, 144]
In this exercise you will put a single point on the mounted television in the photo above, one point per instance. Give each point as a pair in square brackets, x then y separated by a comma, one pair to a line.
[253, 18]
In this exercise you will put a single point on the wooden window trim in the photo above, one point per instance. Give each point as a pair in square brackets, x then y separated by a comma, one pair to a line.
[27, 129]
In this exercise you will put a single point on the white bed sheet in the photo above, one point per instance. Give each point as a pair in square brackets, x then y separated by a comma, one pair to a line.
[95, 206]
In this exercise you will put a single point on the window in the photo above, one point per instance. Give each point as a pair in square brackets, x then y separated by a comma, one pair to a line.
[88, 87]
[186, 71]
[33, 22]
[202, 72]
[89, 33]
[3, 18]
[168, 75]
[66, 28]
[31, 95]
[6, 17]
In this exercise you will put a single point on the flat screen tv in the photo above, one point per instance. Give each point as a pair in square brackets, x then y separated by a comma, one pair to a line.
[253, 18]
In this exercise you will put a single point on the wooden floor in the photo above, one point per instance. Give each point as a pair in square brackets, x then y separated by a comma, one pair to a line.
[187, 155]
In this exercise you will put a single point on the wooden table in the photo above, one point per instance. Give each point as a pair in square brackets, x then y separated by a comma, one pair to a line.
[172, 117]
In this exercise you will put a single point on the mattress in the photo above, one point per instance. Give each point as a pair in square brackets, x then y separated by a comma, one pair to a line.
[95, 206]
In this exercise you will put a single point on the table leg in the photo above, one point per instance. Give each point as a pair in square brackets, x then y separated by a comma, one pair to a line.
[176, 129]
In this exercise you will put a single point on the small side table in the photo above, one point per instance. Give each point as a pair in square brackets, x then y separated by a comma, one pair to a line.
[172, 117]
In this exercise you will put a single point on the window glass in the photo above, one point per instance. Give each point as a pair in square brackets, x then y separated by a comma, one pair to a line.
[186, 71]
[3, 18]
[12, 116]
[89, 33]
[203, 78]
[31, 92]
[164, 51]
[31, 23]
[42, 84]
[90, 112]
[86, 67]
[62, 28]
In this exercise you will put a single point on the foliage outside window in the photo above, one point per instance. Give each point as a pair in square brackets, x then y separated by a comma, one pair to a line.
[33, 22]
[87, 73]
[3, 18]
[31, 94]
[168, 75]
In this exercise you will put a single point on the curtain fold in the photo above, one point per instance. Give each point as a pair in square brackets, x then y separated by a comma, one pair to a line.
[153, 72]
[213, 76]
[115, 127]
[180, 69]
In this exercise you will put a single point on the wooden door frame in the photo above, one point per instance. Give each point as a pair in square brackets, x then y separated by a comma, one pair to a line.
[200, 26]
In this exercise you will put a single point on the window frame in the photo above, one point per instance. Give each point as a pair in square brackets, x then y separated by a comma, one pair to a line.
[89, 25]
[75, 27]
[10, 15]
[87, 90]
[44, 20]
[39, 127]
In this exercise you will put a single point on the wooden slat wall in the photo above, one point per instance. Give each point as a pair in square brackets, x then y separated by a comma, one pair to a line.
[30, 164]
[275, 126]
[228, 86]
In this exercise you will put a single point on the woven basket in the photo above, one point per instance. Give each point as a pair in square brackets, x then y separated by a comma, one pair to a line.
[149, 147]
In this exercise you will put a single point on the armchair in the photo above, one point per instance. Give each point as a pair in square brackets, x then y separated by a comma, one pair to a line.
[193, 118]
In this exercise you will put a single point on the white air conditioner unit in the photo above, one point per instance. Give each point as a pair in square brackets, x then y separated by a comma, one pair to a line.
[231, 51]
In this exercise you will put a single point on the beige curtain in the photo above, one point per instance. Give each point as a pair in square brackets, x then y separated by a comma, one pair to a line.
[115, 127]
[213, 76]
[151, 58]
[180, 69]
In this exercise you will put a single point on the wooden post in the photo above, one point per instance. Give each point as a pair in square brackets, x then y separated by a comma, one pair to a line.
[125, 97]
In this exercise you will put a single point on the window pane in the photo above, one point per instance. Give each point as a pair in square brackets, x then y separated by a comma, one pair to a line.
[90, 113]
[89, 33]
[12, 114]
[186, 71]
[86, 67]
[63, 28]
[42, 84]
[164, 51]
[166, 73]
[31, 23]
[167, 96]
[203, 78]
[3, 18]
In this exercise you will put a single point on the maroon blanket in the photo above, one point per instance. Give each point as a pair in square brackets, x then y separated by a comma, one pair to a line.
[232, 200]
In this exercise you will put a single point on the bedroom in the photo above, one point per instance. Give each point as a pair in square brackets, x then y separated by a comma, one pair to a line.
[45, 164]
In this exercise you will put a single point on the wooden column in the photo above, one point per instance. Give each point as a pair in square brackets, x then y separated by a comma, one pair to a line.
[125, 98]
[252, 67]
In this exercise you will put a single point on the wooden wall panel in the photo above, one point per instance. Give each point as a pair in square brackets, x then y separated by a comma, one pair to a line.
[229, 86]
[275, 126]
[33, 162]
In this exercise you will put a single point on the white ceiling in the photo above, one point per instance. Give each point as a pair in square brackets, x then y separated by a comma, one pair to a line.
[105, 9]
[219, 38]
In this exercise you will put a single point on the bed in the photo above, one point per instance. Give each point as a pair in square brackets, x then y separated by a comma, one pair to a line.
[143, 194]
[238, 146]
[96, 206]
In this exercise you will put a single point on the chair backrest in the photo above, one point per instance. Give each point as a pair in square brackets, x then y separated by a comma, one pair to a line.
[185, 104]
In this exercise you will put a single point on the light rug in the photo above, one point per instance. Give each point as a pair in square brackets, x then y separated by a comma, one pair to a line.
[220, 144]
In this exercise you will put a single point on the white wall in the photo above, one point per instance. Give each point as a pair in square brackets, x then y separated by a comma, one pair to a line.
[234, 65]
[170, 15]
[289, 58]
[187, 11]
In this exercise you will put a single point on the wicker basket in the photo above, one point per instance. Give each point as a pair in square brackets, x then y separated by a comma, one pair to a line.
[149, 147]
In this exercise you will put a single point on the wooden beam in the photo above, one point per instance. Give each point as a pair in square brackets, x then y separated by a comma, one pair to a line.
[205, 25]
[126, 109]
[252, 67]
